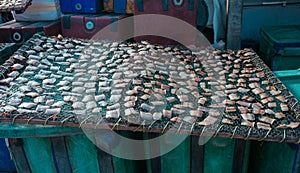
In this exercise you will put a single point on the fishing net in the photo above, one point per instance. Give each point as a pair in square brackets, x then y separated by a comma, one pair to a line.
[143, 87]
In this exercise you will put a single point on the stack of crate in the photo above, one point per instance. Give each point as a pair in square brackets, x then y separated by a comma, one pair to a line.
[85, 20]
[40, 16]
[280, 49]
[88, 20]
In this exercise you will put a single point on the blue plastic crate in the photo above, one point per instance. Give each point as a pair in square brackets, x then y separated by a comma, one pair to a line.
[81, 6]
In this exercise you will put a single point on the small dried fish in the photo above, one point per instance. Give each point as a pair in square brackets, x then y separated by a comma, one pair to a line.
[284, 107]
[233, 97]
[32, 94]
[263, 126]
[91, 105]
[88, 98]
[208, 121]
[247, 123]
[167, 113]
[279, 115]
[54, 111]
[157, 116]
[15, 101]
[59, 104]
[17, 66]
[41, 108]
[130, 112]
[78, 105]
[27, 105]
[70, 98]
[9, 108]
[49, 81]
[146, 116]
[113, 114]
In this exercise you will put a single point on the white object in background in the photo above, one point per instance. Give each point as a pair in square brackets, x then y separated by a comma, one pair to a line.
[40, 10]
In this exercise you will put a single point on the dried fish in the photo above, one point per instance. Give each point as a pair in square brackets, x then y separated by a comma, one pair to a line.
[54, 111]
[49, 81]
[146, 115]
[263, 126]
[41, 108]
[21, 80]
[78, 89]
[27, 105]
[113, 114]
[78, 105]
[25, 89]
[293, 125]
[196, 113]
[242, 103]
[257, 91]
[281, 98]
[91, 105]
[88, 98]
[17, 66]
[269, 111]
[248, 116]
[247, 123]
[13, 74]
[275, 93]
[70, 98]
[233, 97]
[279, 115]
[32, 94]
[284, 107]
[15, 101]
[230, 109]
[9, 108]
[63, 83]
[167, 113]
[208, 121]
[130, 112]
[26, 111]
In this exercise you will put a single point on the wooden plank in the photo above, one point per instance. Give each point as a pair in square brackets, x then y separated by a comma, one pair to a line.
[239, 156]
[21, 162]
[234, 24]
[60, 154]
[105, 161]
[197, 156]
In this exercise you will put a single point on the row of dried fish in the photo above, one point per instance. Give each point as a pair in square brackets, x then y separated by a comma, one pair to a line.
[142, 82]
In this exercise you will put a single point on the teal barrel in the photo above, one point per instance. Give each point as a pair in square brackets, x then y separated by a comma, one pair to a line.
[280, 46]
[278, 157]
[217, 155]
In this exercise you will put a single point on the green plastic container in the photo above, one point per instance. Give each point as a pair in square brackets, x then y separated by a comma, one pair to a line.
[61, 149]
[65, 149]
[280, 46]
[291, 79]
[274, 157]
[278, 157]
[217, 155]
